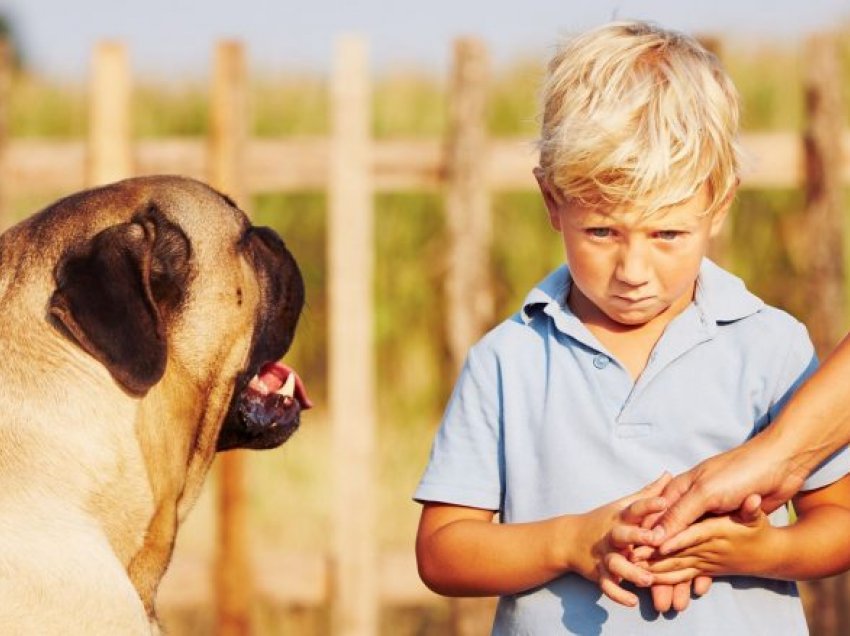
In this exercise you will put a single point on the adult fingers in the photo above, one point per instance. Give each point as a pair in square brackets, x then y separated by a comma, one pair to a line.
[638, 510]
[686, 502]
[675, 577]
[651, 490]
[750, 509]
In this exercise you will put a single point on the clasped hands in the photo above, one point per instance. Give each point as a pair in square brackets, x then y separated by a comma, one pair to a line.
[625, 546]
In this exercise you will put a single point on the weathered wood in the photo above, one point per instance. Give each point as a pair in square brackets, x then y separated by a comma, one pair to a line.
[34, 166]
[234, 585]
[351, 357]
[469, 299]
[468, 289]
[6, 54]
[109, 140]
[229, 120]
[823, 192]
[293, 578]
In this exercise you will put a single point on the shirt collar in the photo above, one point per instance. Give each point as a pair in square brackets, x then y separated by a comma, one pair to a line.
[720, 296]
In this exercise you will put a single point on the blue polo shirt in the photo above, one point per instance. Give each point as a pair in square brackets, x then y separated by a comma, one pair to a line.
[544, 421]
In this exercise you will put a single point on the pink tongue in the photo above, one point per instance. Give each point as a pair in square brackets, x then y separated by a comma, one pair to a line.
[271, 377]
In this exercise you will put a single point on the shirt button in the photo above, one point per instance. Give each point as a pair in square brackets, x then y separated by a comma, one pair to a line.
[601, 361]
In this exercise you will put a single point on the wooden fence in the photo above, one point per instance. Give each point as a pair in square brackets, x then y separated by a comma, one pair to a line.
[467, 166]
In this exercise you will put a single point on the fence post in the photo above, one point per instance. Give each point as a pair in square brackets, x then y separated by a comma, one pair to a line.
[468, 289]
[109, 140]
[228, 134]
[467, 204]
[823, 192]
[824, 265]
[351, 364]
[6, 55]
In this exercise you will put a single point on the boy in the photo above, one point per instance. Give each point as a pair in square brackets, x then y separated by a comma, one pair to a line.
[639, 356]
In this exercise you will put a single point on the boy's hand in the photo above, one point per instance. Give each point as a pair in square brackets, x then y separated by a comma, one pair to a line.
[728, 544]
[609, 532]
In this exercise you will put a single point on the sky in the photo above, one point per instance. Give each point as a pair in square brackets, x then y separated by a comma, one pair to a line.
[177, 36]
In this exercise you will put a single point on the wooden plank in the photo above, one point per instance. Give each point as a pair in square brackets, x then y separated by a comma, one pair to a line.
[824, 211]
[293, 578]
[234, 585]
[468, 289]
[109, 140]
[186, 156]
[287, 164]
[775, 160]
[6, 53]
[351, 355]
[469, 297]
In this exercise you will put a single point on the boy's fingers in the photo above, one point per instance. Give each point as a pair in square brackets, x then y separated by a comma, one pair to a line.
[623, 536]
[702, 585]
[613, 591]
[662, 597]
[697, 533]
[642, 553]
[681, 596]
[625, 570]
[616, 593]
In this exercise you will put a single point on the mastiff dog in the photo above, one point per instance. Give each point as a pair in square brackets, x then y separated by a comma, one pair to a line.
[141, 324]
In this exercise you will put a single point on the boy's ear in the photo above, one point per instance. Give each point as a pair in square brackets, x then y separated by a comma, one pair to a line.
[553, 206]
[719, 216]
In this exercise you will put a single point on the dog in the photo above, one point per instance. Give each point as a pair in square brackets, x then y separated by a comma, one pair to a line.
[140, 325]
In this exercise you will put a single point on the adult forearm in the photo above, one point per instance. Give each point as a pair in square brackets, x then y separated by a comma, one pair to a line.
[816, 421]
[478, 558]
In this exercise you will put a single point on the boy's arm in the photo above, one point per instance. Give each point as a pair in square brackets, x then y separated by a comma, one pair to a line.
[817, 545]
[460, 552]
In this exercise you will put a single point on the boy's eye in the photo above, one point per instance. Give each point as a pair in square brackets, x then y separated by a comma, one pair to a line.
[668, 235]
[598, 232]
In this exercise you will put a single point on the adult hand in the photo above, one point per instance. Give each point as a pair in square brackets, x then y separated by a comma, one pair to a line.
[751, 475]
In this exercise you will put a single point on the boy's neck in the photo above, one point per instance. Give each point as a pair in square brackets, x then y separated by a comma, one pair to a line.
[630, 344]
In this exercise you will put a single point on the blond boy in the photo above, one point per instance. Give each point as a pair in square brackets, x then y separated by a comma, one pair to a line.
[638, 356]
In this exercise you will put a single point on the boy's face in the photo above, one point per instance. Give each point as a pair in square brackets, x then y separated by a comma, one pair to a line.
[630, 269]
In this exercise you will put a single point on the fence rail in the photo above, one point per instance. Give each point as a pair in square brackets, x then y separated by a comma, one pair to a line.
[466, 165]
[31, 166]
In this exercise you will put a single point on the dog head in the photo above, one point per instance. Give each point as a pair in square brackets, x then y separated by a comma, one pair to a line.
[164, 281]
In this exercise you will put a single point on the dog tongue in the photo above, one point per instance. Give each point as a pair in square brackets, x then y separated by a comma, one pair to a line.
[272, 377]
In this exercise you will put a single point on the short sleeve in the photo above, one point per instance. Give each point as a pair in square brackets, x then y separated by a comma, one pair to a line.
[466, 467]
[801, 362]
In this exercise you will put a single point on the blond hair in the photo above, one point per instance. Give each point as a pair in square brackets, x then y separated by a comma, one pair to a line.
[636, 113]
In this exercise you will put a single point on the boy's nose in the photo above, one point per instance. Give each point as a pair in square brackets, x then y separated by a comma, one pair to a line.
[632, 266]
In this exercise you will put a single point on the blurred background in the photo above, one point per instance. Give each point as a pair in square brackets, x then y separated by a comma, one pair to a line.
[391, 145]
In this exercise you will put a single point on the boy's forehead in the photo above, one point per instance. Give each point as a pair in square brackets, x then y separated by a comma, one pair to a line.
[633, 212]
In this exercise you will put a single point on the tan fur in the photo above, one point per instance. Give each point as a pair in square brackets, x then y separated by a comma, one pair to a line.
[94, 480]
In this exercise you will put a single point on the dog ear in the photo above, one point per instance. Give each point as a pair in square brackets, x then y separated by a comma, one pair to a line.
[114, 295]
